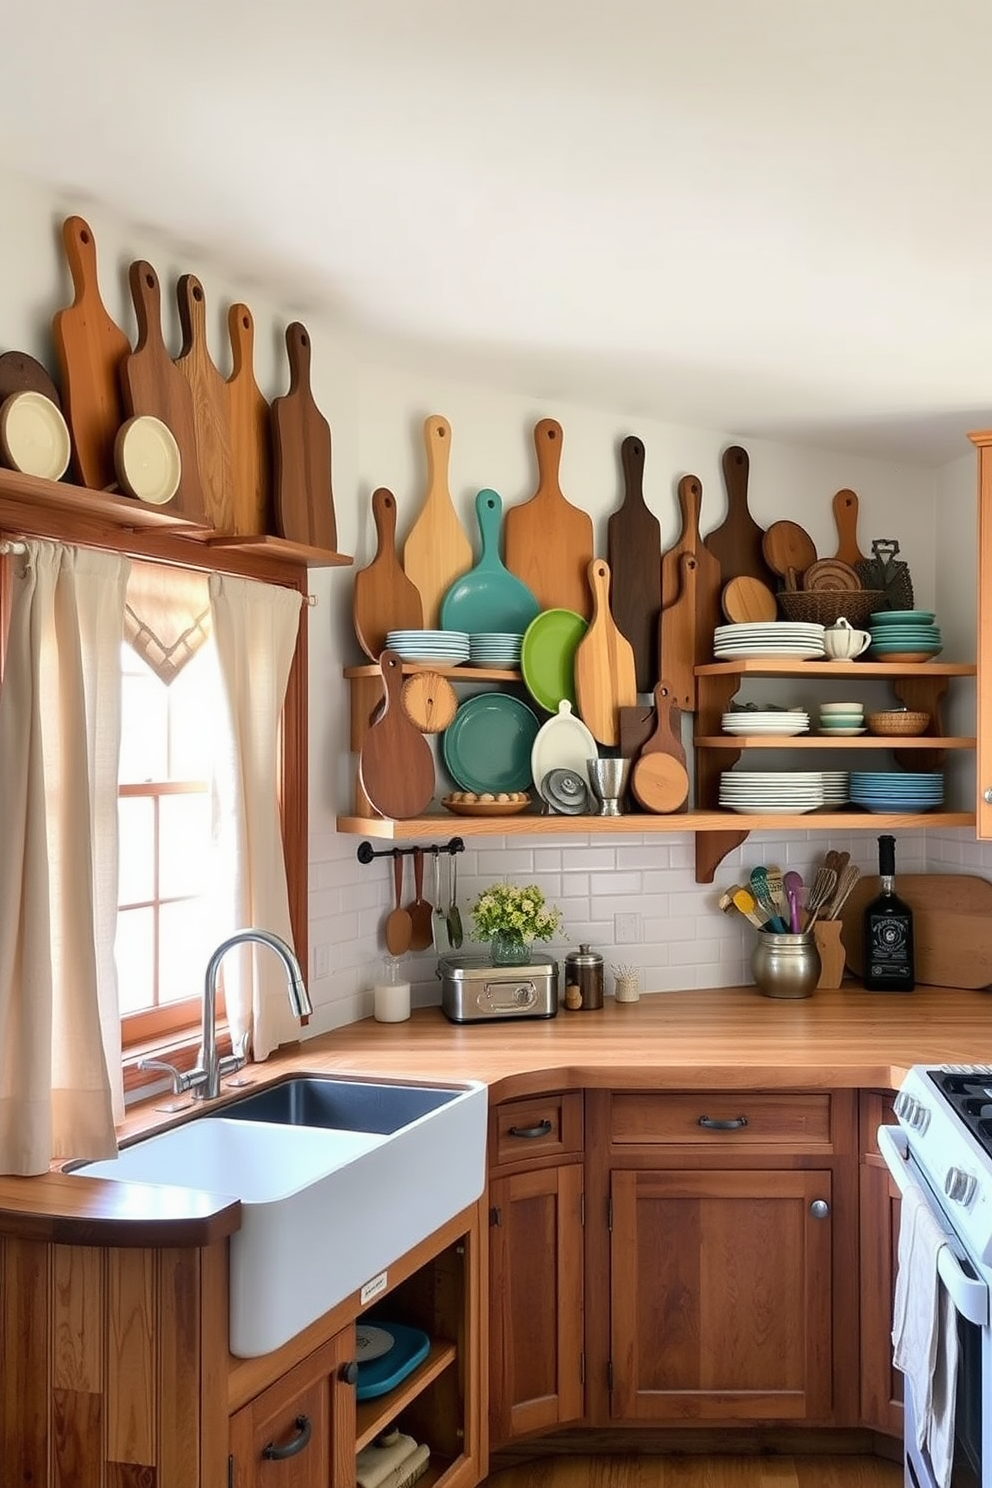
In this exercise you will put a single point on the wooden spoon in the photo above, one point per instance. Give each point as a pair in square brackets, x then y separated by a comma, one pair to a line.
[399, 926]
[421, 912]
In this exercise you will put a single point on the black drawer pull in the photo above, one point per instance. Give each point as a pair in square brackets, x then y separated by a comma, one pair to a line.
[540, 1130]
[712, 1124]
[296, 1443]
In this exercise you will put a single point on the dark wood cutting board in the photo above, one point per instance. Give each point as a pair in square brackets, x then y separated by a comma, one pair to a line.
[152, 384]
[659, 779]
[736, 543]
[437, 550]
[548, 542]
[395, 767]
[20, 373]
[211, 406]
[90, 347]
[634, 554]
[301, 451]
[251, 433]
[605, 680]
[384, 598]
[952, 926]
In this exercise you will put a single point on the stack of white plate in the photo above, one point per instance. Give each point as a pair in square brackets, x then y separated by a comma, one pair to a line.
[776, 721]
[788, 638]
[446, 647]
[494, 648]
[771, 792]
[836, 787]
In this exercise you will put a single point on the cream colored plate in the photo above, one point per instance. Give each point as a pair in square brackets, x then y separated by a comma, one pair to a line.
[147, 460]
[34, 436]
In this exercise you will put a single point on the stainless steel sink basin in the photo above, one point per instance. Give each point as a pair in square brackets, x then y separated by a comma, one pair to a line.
[337, 1180]
[339, 1105]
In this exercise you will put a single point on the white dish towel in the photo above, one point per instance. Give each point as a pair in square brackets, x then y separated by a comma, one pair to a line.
[925, 1335]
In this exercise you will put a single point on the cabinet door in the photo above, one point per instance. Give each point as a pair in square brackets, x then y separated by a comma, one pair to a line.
[300, 1432]
[536, 1301]
[881, 1382]
[721, 1296]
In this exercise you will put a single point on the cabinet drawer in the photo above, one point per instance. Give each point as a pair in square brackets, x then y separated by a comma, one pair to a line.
[798, 1120]
[547, 1126]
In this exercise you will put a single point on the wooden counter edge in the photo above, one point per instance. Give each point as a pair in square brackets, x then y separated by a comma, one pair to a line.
[66, 1210]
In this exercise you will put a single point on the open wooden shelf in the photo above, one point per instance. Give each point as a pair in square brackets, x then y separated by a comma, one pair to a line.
[525, 825]
[774, 666]
[463, 673]
[25, 493]
[280, 547]
[373, 1416]
[737, 742]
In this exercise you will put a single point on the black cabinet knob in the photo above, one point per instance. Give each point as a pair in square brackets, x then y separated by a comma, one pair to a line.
[349, 1373]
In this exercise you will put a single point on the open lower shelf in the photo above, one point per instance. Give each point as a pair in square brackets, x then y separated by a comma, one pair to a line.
[737, 742]
[850, 820]
[774, 666]
[280, 547]
[374, 1416]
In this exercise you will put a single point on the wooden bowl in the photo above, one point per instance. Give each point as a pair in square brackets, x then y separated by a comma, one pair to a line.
[898, 723]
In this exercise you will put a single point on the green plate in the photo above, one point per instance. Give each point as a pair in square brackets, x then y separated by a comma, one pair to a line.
[488, 745]
[547, 656]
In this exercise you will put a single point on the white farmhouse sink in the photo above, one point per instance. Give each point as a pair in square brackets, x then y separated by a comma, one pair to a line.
[323, 1209]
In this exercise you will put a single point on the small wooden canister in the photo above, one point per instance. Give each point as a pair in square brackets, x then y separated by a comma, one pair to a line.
[828, 943]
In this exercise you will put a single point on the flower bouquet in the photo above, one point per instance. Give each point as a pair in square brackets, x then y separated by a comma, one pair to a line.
[512, 918]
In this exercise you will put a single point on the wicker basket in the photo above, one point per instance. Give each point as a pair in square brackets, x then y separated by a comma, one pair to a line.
[898, 724]
[826, 606]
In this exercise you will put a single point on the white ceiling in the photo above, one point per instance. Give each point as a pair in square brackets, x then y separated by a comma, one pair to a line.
[768, 217]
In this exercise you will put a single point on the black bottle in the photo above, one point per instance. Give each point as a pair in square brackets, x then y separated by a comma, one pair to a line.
[887, 930]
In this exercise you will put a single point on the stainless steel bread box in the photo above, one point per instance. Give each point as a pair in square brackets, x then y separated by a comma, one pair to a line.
[473, 990]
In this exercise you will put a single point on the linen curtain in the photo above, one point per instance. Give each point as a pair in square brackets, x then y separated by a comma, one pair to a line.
[255, 627]
[61, 1087]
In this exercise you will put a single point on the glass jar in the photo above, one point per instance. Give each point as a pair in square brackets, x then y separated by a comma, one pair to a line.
[583, 979]
[508, 948]
[391, 993]
[785, 965]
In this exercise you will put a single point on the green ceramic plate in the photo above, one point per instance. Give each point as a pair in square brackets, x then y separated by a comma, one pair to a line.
[547, 656]
[488, 745]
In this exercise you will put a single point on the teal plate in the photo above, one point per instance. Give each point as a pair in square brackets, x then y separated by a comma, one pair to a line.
[488, 745]
[894, 617]
[547, 657]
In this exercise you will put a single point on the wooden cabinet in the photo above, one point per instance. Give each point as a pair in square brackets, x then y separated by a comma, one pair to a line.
[881, 1382]
[536, 1266]
[299, 1432]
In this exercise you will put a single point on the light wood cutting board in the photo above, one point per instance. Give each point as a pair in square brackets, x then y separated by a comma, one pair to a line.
[548, 542]
[383, 598]
[211, 405]
[437, 550]
[605, 678]
[952, 926]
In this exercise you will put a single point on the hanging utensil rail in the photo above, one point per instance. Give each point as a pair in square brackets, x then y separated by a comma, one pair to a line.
[366, 852]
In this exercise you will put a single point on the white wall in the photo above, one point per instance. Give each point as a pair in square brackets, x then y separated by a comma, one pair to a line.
[376, 415]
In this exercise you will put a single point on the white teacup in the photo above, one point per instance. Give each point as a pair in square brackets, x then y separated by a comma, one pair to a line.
[842, 642]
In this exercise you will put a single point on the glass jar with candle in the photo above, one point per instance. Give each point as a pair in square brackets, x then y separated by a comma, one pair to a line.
[391, 992]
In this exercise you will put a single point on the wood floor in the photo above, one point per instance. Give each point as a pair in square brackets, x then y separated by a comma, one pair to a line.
[700, 1472]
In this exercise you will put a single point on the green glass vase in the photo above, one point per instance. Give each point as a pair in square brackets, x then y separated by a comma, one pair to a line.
[508, 948]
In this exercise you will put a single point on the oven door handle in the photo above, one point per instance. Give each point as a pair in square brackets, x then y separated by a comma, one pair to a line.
[970, 1297]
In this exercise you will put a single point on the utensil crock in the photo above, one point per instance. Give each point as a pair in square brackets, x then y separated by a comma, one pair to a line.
[785, 965]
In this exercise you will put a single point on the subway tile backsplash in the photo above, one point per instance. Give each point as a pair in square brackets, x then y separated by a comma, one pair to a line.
[607, 887]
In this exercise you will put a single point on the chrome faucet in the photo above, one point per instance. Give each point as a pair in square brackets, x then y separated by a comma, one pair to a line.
[204, 1080]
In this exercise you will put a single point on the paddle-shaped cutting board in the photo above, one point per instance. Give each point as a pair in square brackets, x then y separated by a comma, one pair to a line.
[488, 597]
[211, 406]
[605, 675]
[251, 437]
[633, 548]
[846, 517]
[690, 500]
[678, 636]
[383, 598]
[952, 926]
[437, 549]
[90, 349]
[395, 766]
[301, 455]
[153, 384]
[736, 543]
[659, 779]
[549, 542]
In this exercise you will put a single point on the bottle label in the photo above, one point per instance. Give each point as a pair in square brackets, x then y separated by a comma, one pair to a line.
[891, 947]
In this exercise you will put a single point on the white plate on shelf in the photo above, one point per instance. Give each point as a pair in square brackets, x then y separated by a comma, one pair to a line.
[563, 743]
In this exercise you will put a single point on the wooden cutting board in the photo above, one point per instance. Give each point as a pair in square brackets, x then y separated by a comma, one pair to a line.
[678, 636]
[952, 926]
[659, 779]
[251, 434]
[211, 406]
[303, 497]
[789, 551]
[90, 348]
[20, 373]
[605, 677]
[736, 543]
[437, 549]
[384, 598]
[633, 548]
[745, 599]
[690, 500]
[395, 766]
[152, 384]
[548, 541]
[846, 517]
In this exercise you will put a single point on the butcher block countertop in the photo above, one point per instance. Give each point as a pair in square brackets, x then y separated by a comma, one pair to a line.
[731, 1037]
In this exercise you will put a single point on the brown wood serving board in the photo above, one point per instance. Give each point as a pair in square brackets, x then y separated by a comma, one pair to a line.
[548, 542]
[952, 926]
[633, 549]
[677, 630]
[846, 517]
[384, 599]
[90, 347]
[659, 779]
[301, 453]
[605, 679]
[396, 767]
[20, 373]
[211, 406]
[251, 433]
[437, 550]
[736, 543]
[153, 384]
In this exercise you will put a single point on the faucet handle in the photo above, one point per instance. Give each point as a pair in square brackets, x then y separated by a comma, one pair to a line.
[181, 1083]
[236, 1060]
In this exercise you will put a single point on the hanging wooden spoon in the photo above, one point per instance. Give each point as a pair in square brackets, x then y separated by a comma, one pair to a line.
[399, 926]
